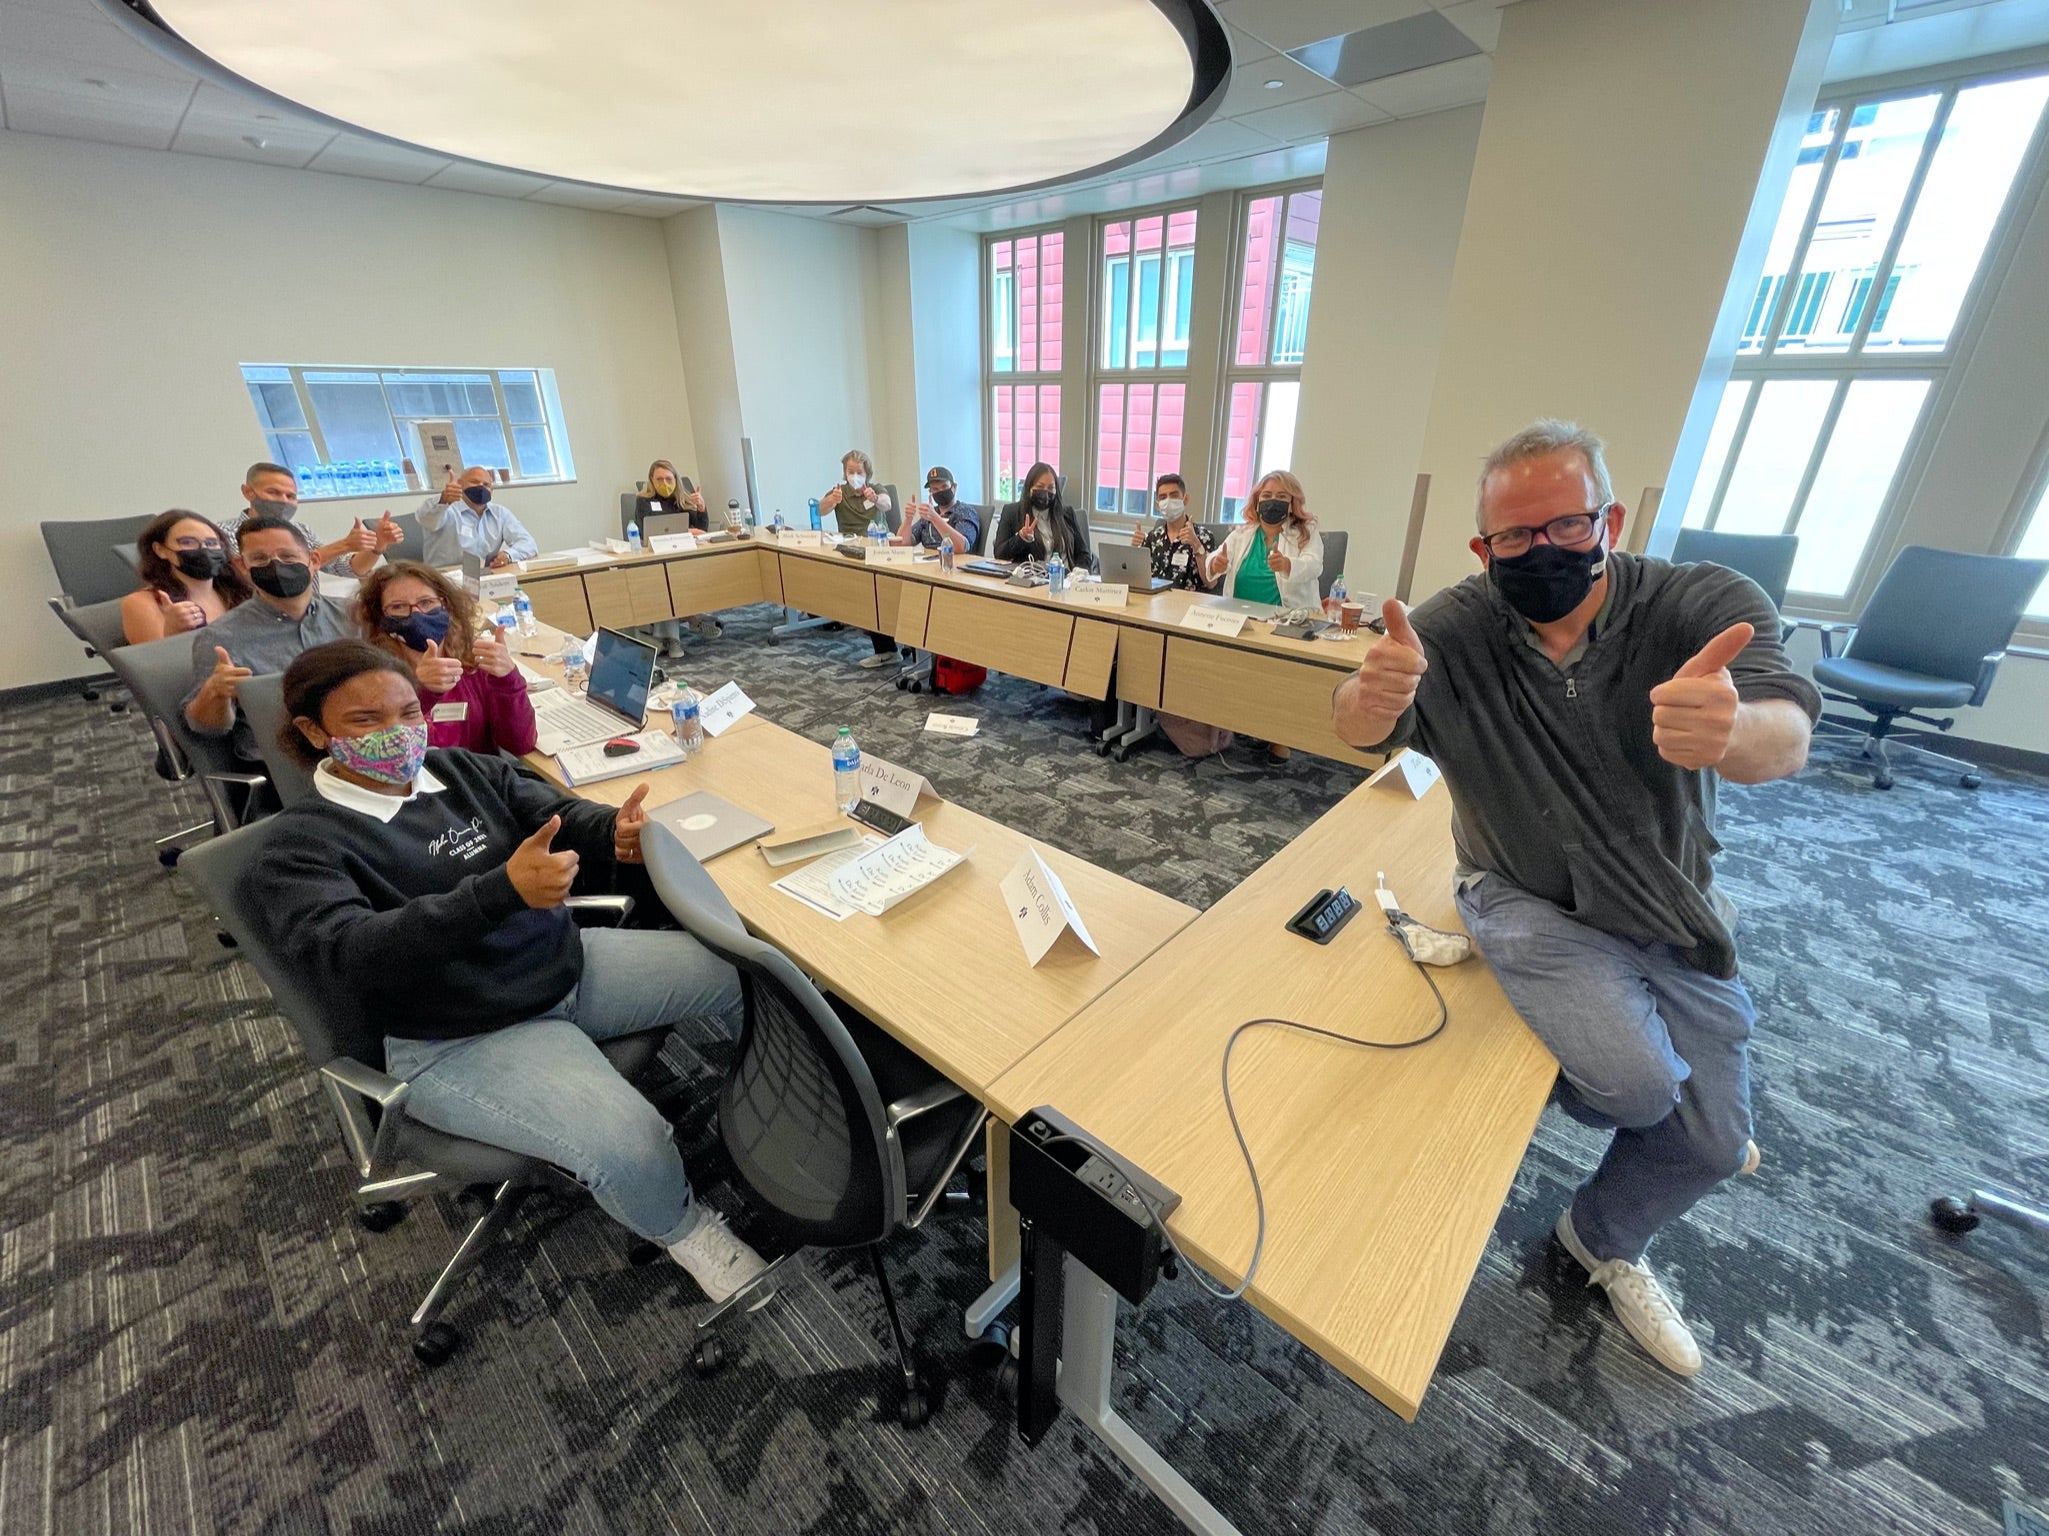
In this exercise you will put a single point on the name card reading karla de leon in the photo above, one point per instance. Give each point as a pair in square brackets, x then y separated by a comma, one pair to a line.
[953, 725]
[1041, 908]
[721, 709]
[893, 788]
[1213, 621]
[1099, 594]
[1411, 770]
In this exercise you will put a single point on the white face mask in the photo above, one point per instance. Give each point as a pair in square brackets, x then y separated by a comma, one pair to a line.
[1172, 508]
[857, 480]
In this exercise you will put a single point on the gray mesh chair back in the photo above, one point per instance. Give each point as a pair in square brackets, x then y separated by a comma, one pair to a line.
[1941, 614]
[628, 500]
[262, 702]
[413, 545]
[800, 1113]
[158, 674]
[1766, 558]
[89, 570]
[1333, 560]
[894, 516]
[97, 624]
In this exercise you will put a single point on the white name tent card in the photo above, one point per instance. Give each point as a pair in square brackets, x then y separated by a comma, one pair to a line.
[1041, 908]
[893, 788]
[1214, 621]
[672, 543]
[953, 725]
[1099, 594]
[801, 538]
[719, 710]
[892, 554]
[1411, 770]
[612, 546]
[878, 879]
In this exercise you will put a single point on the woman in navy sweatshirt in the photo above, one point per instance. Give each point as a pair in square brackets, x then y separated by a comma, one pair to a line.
[422, 891]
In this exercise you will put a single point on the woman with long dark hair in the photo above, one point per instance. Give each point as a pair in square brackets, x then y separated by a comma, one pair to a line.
[187, 579]
[1039, 522]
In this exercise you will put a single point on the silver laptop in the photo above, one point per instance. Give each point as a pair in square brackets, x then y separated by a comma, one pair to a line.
[1244, 605]
[659, 523]
[615, 702]
[1131, 565]
[709, 826]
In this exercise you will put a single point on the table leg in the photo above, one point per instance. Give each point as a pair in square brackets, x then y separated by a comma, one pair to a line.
[796, 622]
[1088, 1341]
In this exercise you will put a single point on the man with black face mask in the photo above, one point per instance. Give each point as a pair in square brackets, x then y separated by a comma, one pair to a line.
[265, 635]
[1581, 701]
[463, 519]
[272, 491]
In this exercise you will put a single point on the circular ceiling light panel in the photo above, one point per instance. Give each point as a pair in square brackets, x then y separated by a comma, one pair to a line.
[761, 100]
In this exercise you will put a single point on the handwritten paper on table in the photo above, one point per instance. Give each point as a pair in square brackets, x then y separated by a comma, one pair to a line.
[953, 725]
[720, 709]
[1041, 908]
[877, 879]
[812, 884]
[892, 788]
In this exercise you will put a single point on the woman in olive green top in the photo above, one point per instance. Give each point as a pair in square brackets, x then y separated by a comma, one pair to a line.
[856, 503]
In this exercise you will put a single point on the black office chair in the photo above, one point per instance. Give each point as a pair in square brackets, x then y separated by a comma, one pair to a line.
[836, 1132]
[1334, 545]
[1766, 558]
[262, 702]
[1931, 637]
[159, 674]
[397, 1159]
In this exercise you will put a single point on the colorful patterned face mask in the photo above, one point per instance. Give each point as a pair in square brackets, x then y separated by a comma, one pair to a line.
[393, 755]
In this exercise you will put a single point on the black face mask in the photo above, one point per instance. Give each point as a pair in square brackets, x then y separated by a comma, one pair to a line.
[282, 578]
[1547, 583]
[416, 631]
[477, 495]
[1042, 500]
[1273, 513]
[201, 564]
[942, 499]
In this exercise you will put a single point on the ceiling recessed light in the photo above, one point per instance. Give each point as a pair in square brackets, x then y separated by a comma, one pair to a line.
[1274, 85]
[254, 142]
[782, 107]
[266, 117]
[97, 83]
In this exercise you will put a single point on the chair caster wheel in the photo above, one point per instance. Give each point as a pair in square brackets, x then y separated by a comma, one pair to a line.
[913, 1408]
[917, 687]
[643, 1252]
[1119, 753]
[118, 707]
[708, 1359]
[1972, 781]
[436, 1344]
[168, 857]
[1881, 783]
[90, 695]
[1952, 1215]
[228, 940]
[775, 639]
[1006, 1382]
[903, 685]
[381, 1217]
[992, 1348]
[1102, 749]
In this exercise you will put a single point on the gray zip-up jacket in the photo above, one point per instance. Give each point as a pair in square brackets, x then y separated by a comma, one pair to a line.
[1556, 786]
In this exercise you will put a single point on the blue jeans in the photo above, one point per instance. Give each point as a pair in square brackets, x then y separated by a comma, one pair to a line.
[1647, 1047]
[543, 1088]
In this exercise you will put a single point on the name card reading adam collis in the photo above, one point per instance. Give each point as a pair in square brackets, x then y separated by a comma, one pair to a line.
[1041, 908]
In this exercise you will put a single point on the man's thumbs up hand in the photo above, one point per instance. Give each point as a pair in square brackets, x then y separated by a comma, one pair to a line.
[1694, 715]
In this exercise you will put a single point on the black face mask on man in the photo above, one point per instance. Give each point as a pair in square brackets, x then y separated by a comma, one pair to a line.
[283, 579]
[942, 499]
[477, 495]
[1546, 583]
[201, 564]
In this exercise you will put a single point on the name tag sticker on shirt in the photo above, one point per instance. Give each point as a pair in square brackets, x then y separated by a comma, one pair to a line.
[1411, 770]
[456, 712]
[1214, 621]
[1041, 909]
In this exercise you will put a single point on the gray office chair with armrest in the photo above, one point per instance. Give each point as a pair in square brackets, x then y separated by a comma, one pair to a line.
[98, 626]
[262, 702]
[1766, 558]
[89, 570]
[837, 1134]
[1931, 637]
[1333, 560]
[397, 1159]
[894, 516]
[158, 674]
[411, 547]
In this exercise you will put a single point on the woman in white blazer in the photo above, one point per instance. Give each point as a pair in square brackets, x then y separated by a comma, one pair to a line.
[1282, 537]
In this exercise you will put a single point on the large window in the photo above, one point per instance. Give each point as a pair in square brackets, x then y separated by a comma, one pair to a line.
[361, 431]
[1269, 329]
[1146, 287]
[1854, 323]
[1026, 307]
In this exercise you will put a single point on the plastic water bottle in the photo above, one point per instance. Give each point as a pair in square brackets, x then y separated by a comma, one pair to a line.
[688, 719]
[733, 513]
[779, 520]
[633, 538]
[393, 480]
[1056, 573]
[846, 770]
[814, 511]
[1336, 601]
[573, 664]
[523, 610]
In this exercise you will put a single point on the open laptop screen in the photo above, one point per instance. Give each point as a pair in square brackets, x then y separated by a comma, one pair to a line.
[622, 674]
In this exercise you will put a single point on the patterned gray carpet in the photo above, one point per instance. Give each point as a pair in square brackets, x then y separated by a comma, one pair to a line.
[195, 1337]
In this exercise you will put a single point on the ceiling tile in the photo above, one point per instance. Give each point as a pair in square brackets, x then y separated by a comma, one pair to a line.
[464, 177]
[242, 128]
[1285, 24]
[1457, 84]
[349, 154]
[1219, 138]
[1249, 93]
[574, 194]
[657, 207]
[1317, 118]
[78, 37]
[1244, 46]
[147, 123]
[1478, 19]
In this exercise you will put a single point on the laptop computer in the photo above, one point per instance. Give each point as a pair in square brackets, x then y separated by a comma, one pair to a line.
[988, 567]
[1131, 564]
[622, 675]
[709, 826]
[659, 523]
[1244, 605]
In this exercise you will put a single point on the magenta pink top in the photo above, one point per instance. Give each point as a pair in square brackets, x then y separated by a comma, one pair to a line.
[496, 714]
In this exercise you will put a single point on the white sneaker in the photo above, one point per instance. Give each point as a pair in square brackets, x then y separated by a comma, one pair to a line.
[707, 626]
[880, 659]
[1752, 1158]
[1640, 1302]
[718, 1261]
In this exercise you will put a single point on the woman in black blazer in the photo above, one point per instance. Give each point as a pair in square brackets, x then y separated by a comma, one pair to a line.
[1038, 522]
[666, 497]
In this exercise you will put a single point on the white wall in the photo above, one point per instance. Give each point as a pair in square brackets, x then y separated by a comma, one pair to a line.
[704, 341]
[795, 298]
[133, 284]
[1394, 198]
[946, 347]
[890, 313]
